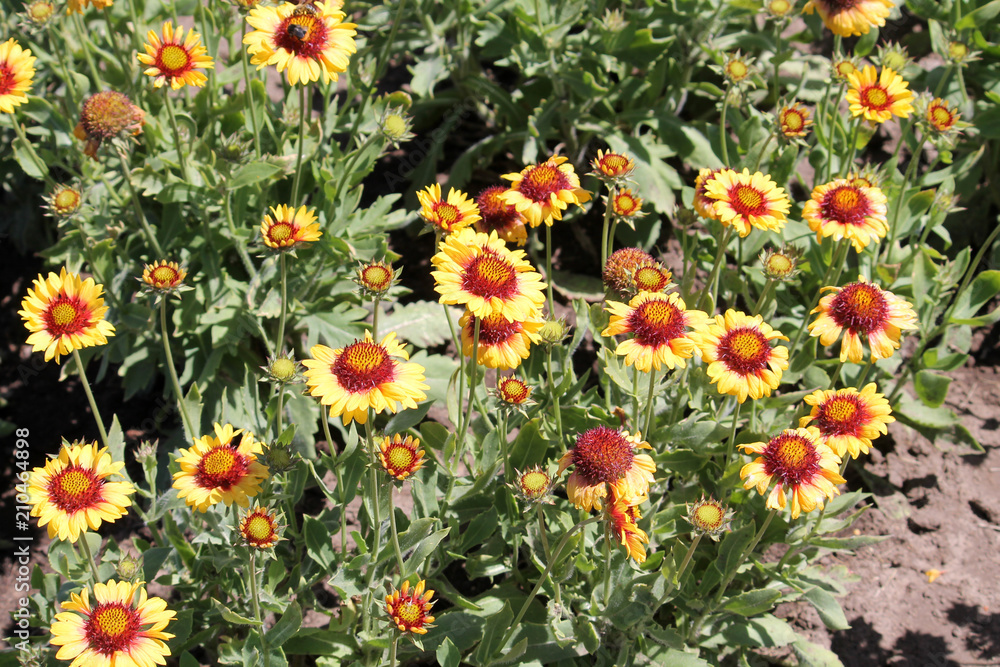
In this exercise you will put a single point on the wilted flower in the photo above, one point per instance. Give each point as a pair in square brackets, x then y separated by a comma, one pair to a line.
[105, 116]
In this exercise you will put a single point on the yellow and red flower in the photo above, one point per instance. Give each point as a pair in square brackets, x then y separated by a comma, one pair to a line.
[744, 200]
[794, 121]
[660, 326]
[499, 216]
[116, 630]
[710, 517]
[513, 391]
[798, 463]
[289, 228]
[622, 514]
[64, 313]
[621, 267]
[850, 17]
[502, 344]
[175, 62]
[63, 201]
[878, 97]
[375, 278]
[410, 610]
[218, 469]
[364, 375]
[941, 117]
[77, 6]
[72, 493]
[842, 209]
[17, 69]
[612, 167]
[626, 204]
[477, 271]
[862, 309]
[737, 349]
[401, 457]
[703, 204]
[310, 41]
[533, 484]
[604, 458]
[541, 192]
[163, 276]
[259, 528]
[651, 278]
[447, 216]
[848, 420]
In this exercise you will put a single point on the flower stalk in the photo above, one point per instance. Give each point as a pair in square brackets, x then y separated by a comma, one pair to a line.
[90, 398]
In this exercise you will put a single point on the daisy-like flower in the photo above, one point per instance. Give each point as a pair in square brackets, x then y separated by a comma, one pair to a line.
[541, 192]
[744, 200]
[533, 484]
[862, 309]
[622, 514]
[311, 41]
[626, 204]
[163, 276]
[259, 528]
[105, 116]
[37, 14]
[794, 121]
[737, 68]
[779, 8]
[513, 391]
[502, 344]
[651, 278]
[479, 272]
[703, 204]
[781, 264]
[622, 265]
[65, 313]
[401, 457]
[447, 216]
[73, 493]
[114, 630]
[77, 6]
[604, 458]
[63, 201]
[843, 67]
[17, 69]
[289, 228]
[848, 420]
[710, 517]
[850, 17]
[499, 216]
[218, 469]
[171, 60]
[878, 98]
[612, 167]
[940, 117]
[410, 610]
[797, 462]
[376, 278]
[363, 375]
[737, 349]
[843, 210]
[659, 324]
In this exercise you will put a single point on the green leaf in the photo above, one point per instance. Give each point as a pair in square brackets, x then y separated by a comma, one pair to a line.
[424, 549]
[493, 634]
[287, 625]
[116, 445]
[948, 362]
[420, 323]
[752, 602]
[847, 543]
[152, 559]
[318, 542]
[813, 655]
[766, 630]
[448, 654]
[979, 17]
[983, 288]
[231, 616]
[828, 607]
[866, 43]
[25, 155]
[252, 172]
[932, 388]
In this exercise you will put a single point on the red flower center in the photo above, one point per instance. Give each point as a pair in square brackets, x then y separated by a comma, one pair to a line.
[792, 458]
[303, 34]
[875, 98]
[792, 120]
[745, 350]
[860, 307]
[602, 454]
[221, 468]
[74, 488]
[6, 79]
[363, 366]
[651, 279]
[747, 200]
[941, 118]
[376, 277]
[400, 457]
[490, 275]
[496, 213]
[613, 164]
[542, 181]
[164, 276]
[410, 613]
[106, 114]
[66, 200]
[842, 415]
[112, 627]
[281, 232]
[494, 330]
[447, 214]
[845, 204]
[837, 6]
[534, 483]
[66, 316]
[173, 60]
[656, 323]
[513, 391]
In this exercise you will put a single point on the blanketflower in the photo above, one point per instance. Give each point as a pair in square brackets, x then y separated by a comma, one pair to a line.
[842, 209]
[401, 457]
[794, 121]
[862, 309]
[850, 17]
[17, 69]
[746, 200]
[879, 98]
[499, 216]
[798, 463]
[259, 528]
[604, 458]
[502, 344]
[105, 116]
[163, 276]
[623, 515]
[848, 420]
[737, 349]
[941, 117]
[541, 192]
[64, 313]
[450, 215]
[703, 204]
[172, 61]
[289, 228]
[660, 325]
[410, 610]
[218, 469]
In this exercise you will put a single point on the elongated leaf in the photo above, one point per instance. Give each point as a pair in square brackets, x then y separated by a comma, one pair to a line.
[814, 655]
[753, 602]
[231, 616]
[287, 625]
[932, 388]
[828, 608]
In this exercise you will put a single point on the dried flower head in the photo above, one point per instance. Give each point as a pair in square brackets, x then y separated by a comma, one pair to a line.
[106, 116]
[622, 265]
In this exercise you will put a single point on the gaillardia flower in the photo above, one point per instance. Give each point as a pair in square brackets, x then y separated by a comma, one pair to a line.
[72, 492]
[941, 117]
[499, 216]
[862, 309]
[878, 99]
[375, 278]
[737, 349]
[163, 276]
[626, 205]
[479, 272]
[744, 200]
[217, 469]
[259, 528]
[659, 325]
[850, 17]
[622, 265]
[612, 167]
[116, 630]
[533, 484]
[64, 313]
[77, 6]
[794, 121]
[849, 420]
[502, 344]
[703, 204]
[513, 391]
[797, 462]
[410, 610]
[63, 201]
[447, 216]
[781, 265]
[289, 228]
[311, 41]
[105, 116]
[401, 457]
[843, 210]
[17, 69]
[37, 14]
[651, 278]
[604, 458]
[541, 192]
[364, 375]
[622, 514]
[710, 517]
[175, 62]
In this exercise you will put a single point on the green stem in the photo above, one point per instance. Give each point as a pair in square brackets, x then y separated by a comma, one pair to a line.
[392, 648]
[255, 596]
[72, 99]
[707, 299]
[119, 56]
[548, 268]
[136, 35]
[340, 487]
[505, 447]
[81, 33]
[280, 388]
[303, 113]
[177, 136]
[765, 296]
[839, 254]
[606, 242]
[251, 106]
[375, 311]
[852, 149]
[836, 374]
[151, 237]
[30, 149]
[676, 580]
[907, 177]
[860, 382]
[474, 366]
[90, 397]
[760, 155]
[376, 524]
[635, 398]
[279, 343]
[188, 426]
[90, 558]
[607, 565]
[554, 394]
[395, 537]
[240, 248]
[731, 443]
[723, 135]
[650, 402]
